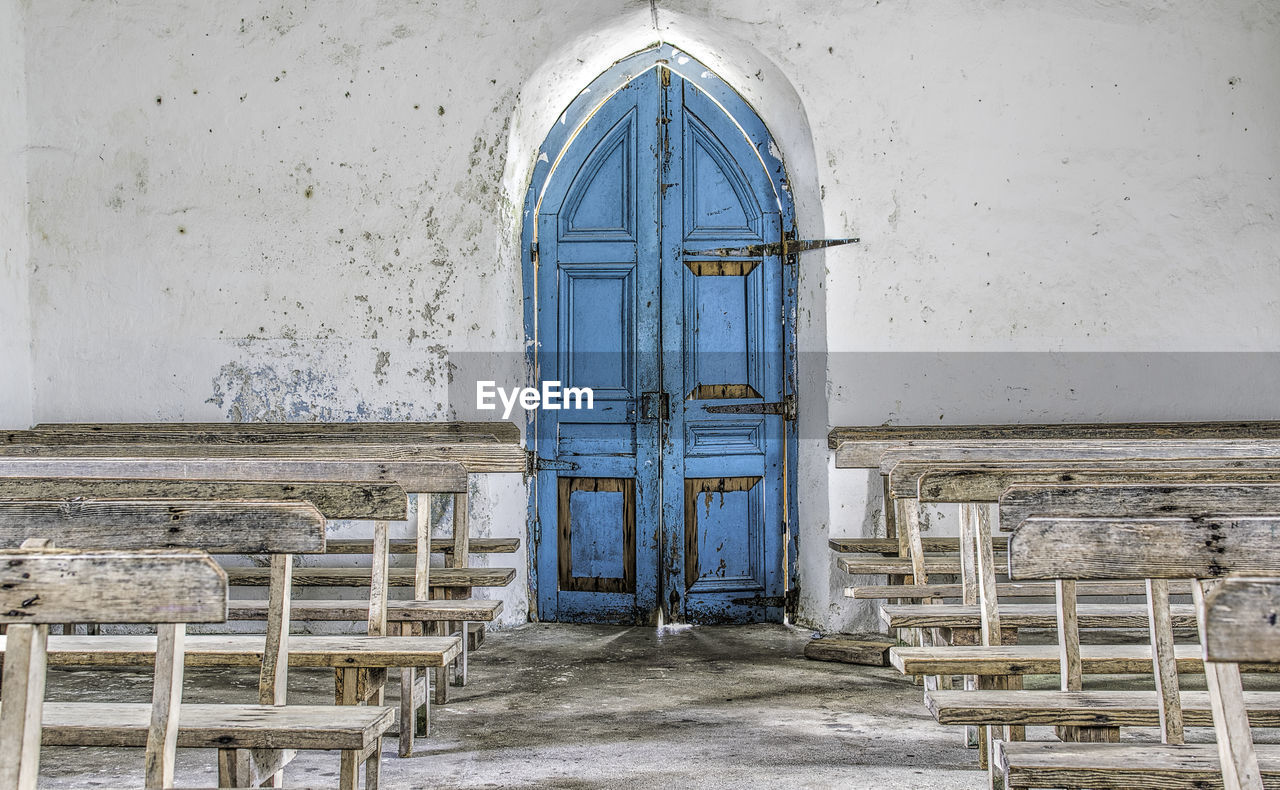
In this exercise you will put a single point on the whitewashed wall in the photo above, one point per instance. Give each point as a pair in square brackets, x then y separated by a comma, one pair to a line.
[288, 210]
[15, 317]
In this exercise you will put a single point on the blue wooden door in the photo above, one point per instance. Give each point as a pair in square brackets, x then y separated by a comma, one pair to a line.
[667, 499]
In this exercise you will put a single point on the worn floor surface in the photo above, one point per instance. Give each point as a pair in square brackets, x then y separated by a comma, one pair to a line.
[596, 706]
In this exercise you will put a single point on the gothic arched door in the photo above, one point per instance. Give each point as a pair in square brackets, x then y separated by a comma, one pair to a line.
[653, 286]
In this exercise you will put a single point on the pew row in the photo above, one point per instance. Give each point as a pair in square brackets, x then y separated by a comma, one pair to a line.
[279, 529]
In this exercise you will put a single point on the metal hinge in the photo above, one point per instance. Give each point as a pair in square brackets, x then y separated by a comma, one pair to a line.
[785, 248]
[534, 464]
[533, 250]
[785, 407]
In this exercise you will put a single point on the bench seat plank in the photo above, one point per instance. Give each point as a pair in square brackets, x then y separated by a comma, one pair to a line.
[870, 565]
[359, 577]
[469, 609]
[1042, 660]
[890, 545]
[245, 650]
[438, 545]
[1123, 766]
[1086, 708]
[1028, 616]
[1004, 590]
[219, 726]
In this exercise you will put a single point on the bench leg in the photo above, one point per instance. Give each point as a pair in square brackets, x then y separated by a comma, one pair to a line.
[226, 768]
[408, 679]
[460, 674]
[349, 770]
[373, 769]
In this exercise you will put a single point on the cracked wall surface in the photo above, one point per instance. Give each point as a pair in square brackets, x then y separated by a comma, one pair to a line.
[297, 211]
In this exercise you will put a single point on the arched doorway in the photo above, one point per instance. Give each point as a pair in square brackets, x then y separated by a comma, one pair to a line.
[653, 275]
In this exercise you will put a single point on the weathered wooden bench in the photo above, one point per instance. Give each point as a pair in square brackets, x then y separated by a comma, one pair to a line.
[1024, 500]
[208, 525]
[41, 585]
[1157, 549]
[481, 447]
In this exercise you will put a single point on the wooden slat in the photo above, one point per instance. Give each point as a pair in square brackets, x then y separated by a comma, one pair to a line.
[1233, 429]
[1123, 766]
[890, 546]
[216, 527]
[66, 585]
[1236, 752]
[166, 701]
[472, 609]
[438, 546]
[415, 476]
[452, 461]
[1086, 708]
[205, 726]
[289, 431]
[1107, 615]
[359, 577]
[905, 477]
[333, 500]
[1172, 548]
[1243, 620]
[870, 565]
[1135, 501]
[238, 650]
[1082, 451]
[1003, 590]
[986, 482]
[1036, 660]
[23, 689]
[1166, 670]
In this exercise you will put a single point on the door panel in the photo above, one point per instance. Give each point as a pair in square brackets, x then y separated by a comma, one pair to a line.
[597, 314]
[658, 501]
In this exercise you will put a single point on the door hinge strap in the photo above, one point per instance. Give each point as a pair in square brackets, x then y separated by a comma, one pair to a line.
[785, 407]
[535, 464]
[785, 247]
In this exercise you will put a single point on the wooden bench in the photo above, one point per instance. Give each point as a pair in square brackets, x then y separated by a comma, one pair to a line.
[1239, 625]
[479, 446]
[41, 585]
[1157, 549]
[230, 527]
[1024, 500]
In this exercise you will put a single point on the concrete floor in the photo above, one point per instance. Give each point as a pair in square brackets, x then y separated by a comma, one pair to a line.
[596, 706]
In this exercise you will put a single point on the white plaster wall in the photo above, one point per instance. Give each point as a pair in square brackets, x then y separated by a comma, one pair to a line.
[288, 210]
[15, 316]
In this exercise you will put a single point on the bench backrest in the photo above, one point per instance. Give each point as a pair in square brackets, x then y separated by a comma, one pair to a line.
[333, 500]
[218, 527]
[477, 456]
[47, 585]
[1155, 549]
[1135, 501]
[986, 482]
[40, 585]
[861, 446]
[189, 463]
[278, 432]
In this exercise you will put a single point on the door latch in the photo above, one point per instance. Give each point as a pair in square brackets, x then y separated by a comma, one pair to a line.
[655, 406]
[785, 407]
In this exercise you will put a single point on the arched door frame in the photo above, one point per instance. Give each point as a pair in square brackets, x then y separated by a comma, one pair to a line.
[557, 142]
